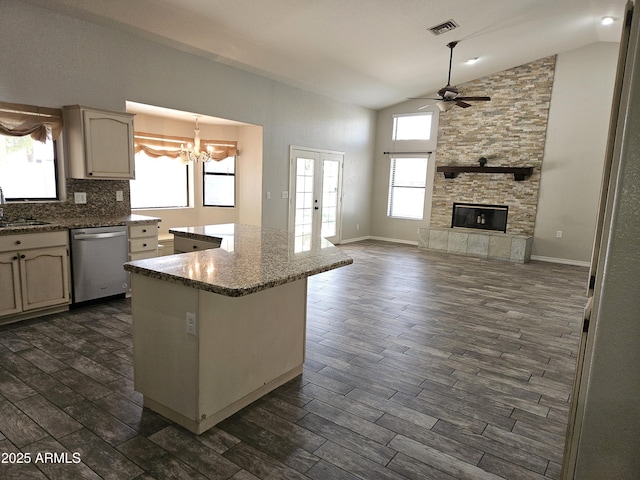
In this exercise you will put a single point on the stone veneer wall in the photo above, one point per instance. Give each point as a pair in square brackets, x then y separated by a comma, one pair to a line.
[510, 130]
[101, 202]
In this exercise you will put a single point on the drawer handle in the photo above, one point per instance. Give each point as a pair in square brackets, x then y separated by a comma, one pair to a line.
[15, 258]
[144, 244]
[21, 256]
[18, 242]
[144, 230]
[195, 246]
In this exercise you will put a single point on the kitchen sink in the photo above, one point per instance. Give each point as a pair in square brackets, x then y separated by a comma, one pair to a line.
[22, 223]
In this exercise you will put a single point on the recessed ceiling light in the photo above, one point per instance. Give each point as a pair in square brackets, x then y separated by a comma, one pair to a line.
[473, 60]
[607, 20]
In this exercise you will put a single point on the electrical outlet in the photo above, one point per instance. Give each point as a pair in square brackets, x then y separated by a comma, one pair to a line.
[268, 195]
[80, 197]
[119, 196]
[285, 194]
[191, 323]
[559, 234]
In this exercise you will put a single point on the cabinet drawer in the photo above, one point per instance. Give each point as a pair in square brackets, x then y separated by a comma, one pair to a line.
[182, 244]
[23, 241]
[143, 244]
[145, 230]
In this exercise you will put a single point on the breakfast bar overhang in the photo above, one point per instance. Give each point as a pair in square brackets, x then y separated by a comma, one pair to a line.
[215, 330]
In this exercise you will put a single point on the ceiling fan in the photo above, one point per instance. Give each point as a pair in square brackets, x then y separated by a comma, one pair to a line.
[449, 96]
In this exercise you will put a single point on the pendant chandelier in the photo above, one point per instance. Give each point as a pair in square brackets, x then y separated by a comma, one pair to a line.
[193, 153]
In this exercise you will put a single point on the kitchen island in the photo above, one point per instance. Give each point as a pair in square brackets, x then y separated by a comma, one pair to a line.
[216, 329]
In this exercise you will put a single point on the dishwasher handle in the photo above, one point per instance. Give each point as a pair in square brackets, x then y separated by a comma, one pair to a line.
[92, 236]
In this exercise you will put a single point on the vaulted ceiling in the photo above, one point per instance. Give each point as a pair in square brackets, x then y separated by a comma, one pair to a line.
[372, 53]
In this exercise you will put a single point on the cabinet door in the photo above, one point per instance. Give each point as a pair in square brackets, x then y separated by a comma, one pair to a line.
[10, 281]
[108, 145]
[45, 277]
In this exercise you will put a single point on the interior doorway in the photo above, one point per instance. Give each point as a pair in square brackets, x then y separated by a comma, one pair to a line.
[316, 203]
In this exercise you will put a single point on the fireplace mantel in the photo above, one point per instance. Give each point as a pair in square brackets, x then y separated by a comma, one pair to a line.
[519, 173]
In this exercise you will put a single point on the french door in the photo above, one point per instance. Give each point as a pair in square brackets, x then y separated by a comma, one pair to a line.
[316, 203]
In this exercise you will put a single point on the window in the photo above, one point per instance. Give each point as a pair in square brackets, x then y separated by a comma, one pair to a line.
[28, 169]
[407, 182]
[412, 126]
[161, 182]
[28, 160]
[219, 179]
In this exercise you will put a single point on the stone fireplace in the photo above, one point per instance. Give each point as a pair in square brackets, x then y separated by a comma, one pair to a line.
[508, 131]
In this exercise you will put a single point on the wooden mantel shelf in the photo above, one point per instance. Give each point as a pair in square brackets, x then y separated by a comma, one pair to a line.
[519, 173]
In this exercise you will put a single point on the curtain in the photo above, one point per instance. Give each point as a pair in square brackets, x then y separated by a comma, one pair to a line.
[165, 145]
[20, 120]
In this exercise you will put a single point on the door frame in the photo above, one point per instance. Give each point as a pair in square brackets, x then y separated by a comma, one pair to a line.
[292, 185]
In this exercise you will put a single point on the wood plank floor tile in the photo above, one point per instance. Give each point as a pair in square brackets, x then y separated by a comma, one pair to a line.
[418, 365]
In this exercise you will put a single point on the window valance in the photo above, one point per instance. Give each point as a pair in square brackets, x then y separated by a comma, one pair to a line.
[18, 120]
[156, 145]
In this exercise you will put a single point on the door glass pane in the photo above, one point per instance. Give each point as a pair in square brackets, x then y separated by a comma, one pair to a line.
[330, 177]
[304, 203]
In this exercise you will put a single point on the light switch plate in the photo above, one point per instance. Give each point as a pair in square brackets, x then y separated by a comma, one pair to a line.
[119, 196]
[80, 197]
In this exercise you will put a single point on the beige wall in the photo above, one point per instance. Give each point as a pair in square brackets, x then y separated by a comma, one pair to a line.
[394, 228]
[574, 153]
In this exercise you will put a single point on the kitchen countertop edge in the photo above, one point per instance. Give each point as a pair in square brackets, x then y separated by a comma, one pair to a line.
[58, 224]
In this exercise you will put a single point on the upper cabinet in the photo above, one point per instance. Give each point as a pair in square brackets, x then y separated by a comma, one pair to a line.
[98, 143]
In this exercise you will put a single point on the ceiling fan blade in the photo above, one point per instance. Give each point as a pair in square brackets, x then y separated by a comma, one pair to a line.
[462, 104]
[424, 106]
[474, 99]
[423, 98]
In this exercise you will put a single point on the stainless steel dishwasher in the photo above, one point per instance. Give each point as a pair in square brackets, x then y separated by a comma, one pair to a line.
[97, 256]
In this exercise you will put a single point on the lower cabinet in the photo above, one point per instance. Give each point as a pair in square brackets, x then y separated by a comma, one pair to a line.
[34, 272]
[143, 241]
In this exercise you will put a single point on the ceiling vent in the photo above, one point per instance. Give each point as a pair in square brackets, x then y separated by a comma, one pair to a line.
[443, 27]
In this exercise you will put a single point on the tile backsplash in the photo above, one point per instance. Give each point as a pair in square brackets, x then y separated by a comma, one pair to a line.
[101, 202]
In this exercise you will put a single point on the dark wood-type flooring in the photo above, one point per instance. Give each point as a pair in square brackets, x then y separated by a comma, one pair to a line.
[419, 365]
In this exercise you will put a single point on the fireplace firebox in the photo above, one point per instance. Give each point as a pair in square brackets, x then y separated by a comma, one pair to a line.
[476, 215]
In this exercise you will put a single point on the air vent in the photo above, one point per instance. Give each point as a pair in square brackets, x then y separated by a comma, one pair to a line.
[444, 27]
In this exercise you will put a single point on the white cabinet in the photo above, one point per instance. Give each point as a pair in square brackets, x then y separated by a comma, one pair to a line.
[99, 143]
[34, 272]
[143, 241]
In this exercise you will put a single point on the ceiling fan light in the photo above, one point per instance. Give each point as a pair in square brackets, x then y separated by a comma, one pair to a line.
[473, 60]
[445, 106]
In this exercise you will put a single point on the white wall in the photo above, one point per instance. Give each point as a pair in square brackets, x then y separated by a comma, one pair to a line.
[574, 153]
[56, 60]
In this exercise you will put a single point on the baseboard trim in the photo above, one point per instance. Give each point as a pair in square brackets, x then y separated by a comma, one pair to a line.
[563, 261]
[353, 240]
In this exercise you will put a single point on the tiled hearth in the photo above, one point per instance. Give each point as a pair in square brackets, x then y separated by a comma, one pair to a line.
[463, 241]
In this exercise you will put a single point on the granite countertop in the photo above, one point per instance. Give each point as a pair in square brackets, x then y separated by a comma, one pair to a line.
[250, 259]
[56, 224]
[206, 233]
